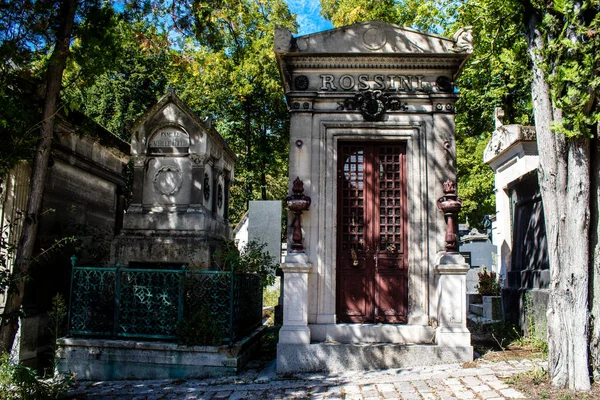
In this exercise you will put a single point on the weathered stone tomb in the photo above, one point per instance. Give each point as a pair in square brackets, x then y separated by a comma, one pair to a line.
[372, 138]
[182, 171]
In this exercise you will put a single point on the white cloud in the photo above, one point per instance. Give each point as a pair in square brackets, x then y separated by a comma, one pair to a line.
[308, 16]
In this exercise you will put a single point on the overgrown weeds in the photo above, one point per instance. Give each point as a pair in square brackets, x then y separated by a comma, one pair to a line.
[20, 382]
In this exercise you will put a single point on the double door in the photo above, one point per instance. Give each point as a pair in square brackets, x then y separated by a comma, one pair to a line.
[372, 261]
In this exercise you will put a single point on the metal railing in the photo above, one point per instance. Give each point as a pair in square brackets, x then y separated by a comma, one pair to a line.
[151, 303]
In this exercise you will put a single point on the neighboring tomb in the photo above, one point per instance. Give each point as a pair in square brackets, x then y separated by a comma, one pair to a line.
[519, 230]
[83, 198]
[182, 171]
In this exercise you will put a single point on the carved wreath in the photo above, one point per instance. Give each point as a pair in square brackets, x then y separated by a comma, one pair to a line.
[219, 196]
[206, 187]
[373, 104]
[168, 180]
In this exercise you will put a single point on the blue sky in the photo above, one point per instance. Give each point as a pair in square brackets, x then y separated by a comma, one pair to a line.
[308, 16]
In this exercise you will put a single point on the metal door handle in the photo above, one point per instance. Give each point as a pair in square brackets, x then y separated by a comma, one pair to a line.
[354, 257]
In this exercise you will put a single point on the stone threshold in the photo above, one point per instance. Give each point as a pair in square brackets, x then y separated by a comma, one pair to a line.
[372, 333]
[340, 357]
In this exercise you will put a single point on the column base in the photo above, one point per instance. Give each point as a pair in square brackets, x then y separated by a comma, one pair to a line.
[291, 334]
[453, 337]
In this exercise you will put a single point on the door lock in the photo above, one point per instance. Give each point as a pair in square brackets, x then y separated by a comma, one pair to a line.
[354, 257]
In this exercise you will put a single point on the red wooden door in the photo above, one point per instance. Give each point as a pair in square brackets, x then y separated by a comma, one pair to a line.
[372, 263]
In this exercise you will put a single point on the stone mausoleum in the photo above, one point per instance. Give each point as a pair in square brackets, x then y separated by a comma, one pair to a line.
[375, 280]
[182, 171]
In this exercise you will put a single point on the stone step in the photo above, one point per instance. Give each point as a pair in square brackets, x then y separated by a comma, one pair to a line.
[339, 357]
[372, 333]
[476, 309]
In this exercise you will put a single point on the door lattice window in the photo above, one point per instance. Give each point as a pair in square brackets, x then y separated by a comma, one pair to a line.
[353, 195]
[390, 199]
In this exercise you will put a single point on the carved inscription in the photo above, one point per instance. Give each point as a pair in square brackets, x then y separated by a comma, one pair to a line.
[169, 138]
[400, 83]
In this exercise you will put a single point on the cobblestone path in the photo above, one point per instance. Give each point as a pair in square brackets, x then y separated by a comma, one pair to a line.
[452, 381]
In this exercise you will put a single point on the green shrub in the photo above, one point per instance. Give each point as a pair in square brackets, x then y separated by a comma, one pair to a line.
[252, 259]
[20, 382]
[488, 283]
[200, 329]
[271, 296]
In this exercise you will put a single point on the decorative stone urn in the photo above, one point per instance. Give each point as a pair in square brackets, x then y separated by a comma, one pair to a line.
[297, 203]
[450, 204]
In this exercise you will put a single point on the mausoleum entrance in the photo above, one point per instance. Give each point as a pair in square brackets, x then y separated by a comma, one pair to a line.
[372, 260]
[372, 144]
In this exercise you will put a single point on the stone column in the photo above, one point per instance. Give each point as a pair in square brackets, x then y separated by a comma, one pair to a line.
[197, 180]
[226, 196]
[217, 172]
[450, 276]
[138, 181]
[295, 299]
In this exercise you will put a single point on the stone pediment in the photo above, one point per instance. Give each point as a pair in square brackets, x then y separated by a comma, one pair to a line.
[370, 56]
[372, 37]
[170, 115]
[504, 137]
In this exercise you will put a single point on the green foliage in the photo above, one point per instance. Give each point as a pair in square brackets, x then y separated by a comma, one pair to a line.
[271, 296]
[498, 74]
[572, 62]
[58, 318]
[251, 259]
[7, 251]
[18, 382]
[27, 32]
[488, 283]
[427, 16]
[232, 77]
[534, 339]
[136, 74]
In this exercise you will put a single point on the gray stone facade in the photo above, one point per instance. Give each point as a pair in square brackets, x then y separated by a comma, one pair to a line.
[372, 82]
[83, 197]
[182, 173]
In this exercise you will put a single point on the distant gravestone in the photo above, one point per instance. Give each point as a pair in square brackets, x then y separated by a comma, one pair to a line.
[264, 225]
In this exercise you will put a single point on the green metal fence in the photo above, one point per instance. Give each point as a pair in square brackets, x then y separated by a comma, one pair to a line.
[150, 303]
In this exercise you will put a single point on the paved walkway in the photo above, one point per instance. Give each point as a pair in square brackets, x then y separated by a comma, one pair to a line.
[451, 381]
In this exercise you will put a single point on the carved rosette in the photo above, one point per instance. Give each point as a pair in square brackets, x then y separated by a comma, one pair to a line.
[168, 180]
[301, 82]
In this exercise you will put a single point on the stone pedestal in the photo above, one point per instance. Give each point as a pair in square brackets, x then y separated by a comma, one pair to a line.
[450, 271]
[295, 291]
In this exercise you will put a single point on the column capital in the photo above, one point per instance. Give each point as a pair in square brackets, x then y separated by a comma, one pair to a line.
[296, 267]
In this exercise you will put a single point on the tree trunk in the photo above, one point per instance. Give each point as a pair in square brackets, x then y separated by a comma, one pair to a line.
[248, 141]
[594, 296]
[564, 177]
[56, 66]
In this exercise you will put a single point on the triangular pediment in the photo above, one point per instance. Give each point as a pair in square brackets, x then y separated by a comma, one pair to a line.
[372, 37]
[171, 111]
